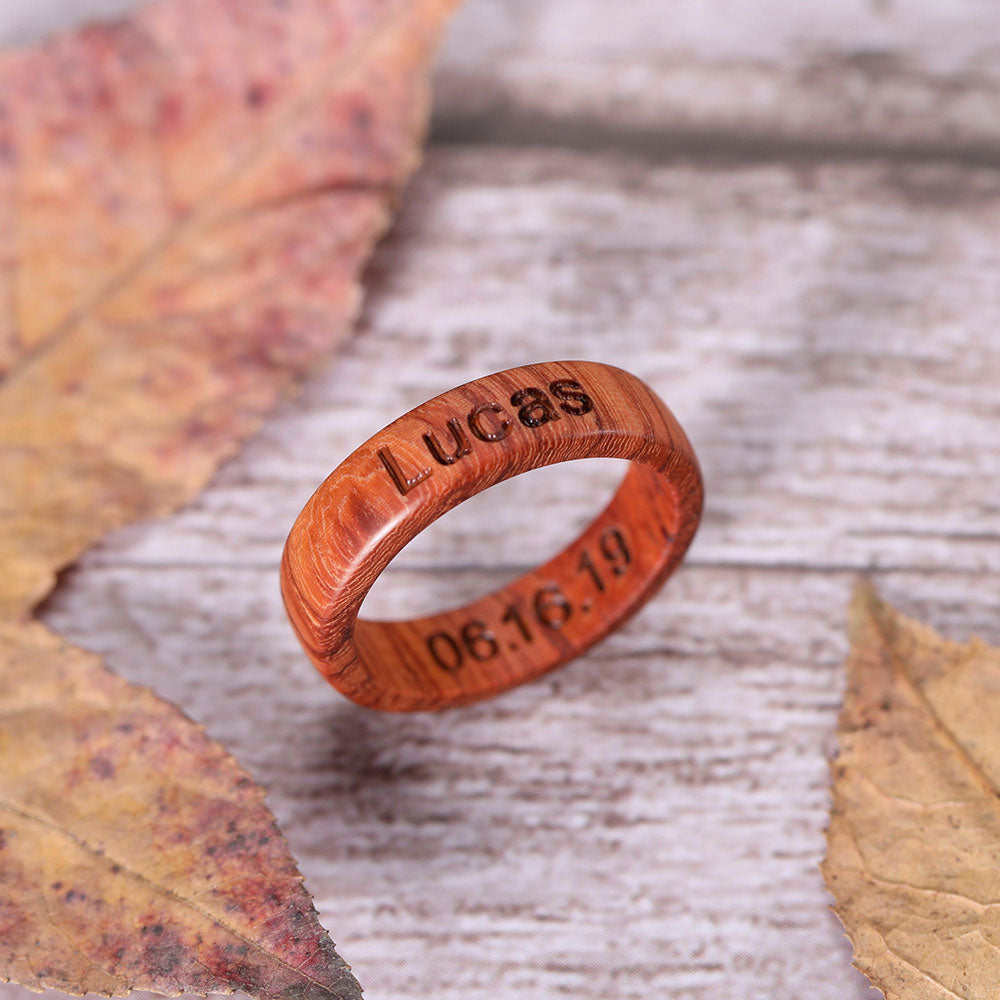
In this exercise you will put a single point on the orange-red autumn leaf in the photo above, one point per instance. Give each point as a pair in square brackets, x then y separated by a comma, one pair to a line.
[186, 201]
[913, 857]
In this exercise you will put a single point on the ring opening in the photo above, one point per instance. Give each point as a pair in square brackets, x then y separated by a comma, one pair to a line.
[492, 538]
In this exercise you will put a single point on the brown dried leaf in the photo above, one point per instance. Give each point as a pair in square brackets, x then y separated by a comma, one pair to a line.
[186, 200]
[913, 856]
[134, 852]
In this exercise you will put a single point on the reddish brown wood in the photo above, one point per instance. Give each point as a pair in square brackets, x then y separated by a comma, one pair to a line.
[443, 452]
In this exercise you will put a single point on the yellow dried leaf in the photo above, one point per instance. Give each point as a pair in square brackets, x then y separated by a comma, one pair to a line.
[913, 857]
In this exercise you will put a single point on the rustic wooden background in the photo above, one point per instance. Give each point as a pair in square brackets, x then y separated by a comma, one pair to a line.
[784, 215]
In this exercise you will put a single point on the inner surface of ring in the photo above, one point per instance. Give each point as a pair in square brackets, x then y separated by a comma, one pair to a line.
[547, 615]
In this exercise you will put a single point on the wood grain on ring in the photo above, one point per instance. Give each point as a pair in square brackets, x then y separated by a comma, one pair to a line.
[443, 452]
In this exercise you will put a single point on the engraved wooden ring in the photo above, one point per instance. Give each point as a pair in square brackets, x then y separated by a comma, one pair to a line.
[443, 452]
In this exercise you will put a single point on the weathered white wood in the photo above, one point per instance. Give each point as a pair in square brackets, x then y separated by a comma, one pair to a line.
[647, 822]
[768, 78]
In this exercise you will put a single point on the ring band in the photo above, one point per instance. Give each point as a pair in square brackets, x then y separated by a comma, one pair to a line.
[447, 450]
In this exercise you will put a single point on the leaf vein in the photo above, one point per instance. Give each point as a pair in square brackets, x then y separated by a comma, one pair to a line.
[200, 212]
[900, 670]
[920, 972]
[169, 893]
[899, 884]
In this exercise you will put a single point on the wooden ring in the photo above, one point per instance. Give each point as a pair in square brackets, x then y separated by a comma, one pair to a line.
[443, 452]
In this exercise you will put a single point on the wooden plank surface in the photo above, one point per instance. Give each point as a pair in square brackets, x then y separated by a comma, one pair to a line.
[745, 79]
[648, 822]
[759, 78]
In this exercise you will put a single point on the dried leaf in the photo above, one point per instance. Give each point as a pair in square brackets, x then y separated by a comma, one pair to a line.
[913, 856]
[134, 852]
[186, 201]
[187, 198]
